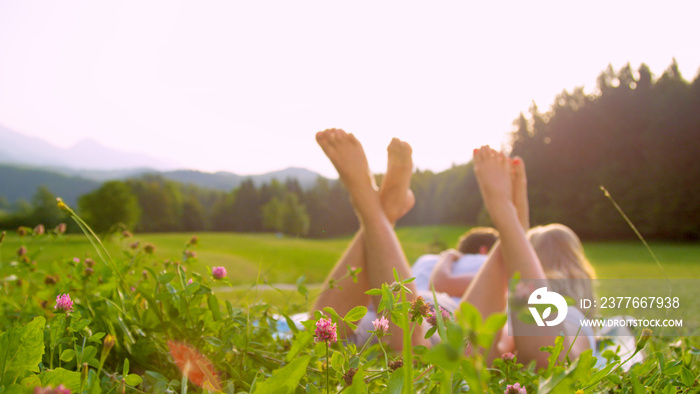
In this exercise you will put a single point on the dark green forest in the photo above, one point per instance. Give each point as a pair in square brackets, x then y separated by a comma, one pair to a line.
[636, 135]
[639, 137]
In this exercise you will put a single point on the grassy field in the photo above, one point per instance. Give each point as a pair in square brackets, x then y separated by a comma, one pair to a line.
[267, 259]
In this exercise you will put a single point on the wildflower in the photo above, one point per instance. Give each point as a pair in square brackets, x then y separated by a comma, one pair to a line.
[419, 309]
[135, 245]
[349, 375]
[39, 229]
[60, 229]
[190, 254]
[61, 389]
[395, 287]
[145, 274]
[218, 272]
[396, 364]
[84, 372]
[508, 357]
[107, 346]
[88, 271]
[432, 320]
[21, 231]
[381, 326]
[193, 241]
[63, 303]
[132, 288]
[579, 391]
[108, 342]
[89, 262]
[515, 389]
[189, 282]
[149, 248]
[643, 339]
[63, 206]
[326, 331]
[127, 234]
[22, 251]
[193, 364]
[76, 260]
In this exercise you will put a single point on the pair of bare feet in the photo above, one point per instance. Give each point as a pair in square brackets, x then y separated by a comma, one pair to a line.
[377, 250]
[502, 180]
[348, 158]
[503, 184]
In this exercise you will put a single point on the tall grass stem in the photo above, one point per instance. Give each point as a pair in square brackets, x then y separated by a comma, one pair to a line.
[639, 235]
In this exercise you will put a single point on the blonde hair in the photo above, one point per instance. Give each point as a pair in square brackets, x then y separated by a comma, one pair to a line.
[561, 254]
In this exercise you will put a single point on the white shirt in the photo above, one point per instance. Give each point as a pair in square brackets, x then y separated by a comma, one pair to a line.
[423, 268]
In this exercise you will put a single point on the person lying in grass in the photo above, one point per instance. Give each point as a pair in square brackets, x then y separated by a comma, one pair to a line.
[550, 252]
[453, 269]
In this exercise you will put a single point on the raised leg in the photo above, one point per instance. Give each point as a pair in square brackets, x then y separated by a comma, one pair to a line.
[396, 199]
[503, 186]
[489, 291]
[493, 172]
[375, 248]
[520, 200]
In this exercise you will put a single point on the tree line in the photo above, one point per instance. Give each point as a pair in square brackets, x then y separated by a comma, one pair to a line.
[636, 135]
[152, 203]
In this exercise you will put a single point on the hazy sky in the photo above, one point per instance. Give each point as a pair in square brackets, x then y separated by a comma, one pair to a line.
[243, 86]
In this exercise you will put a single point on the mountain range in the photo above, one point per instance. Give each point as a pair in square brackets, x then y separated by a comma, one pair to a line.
[17, 148]
[29, 162]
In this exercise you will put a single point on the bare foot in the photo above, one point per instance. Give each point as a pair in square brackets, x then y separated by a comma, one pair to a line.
[493, 173]
[519, 180]
[348, 158]
[395, 193]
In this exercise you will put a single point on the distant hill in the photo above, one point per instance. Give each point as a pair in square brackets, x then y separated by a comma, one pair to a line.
[17, 148]
[21, 183]
[305, 177]
[29, 162]
[228, 180]
[102, 175]
[218, 180]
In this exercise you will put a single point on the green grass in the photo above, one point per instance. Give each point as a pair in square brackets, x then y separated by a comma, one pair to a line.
[625, 260]
[265, 258]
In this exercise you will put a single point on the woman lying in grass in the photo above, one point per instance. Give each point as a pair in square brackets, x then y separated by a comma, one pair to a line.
[376, 250]
[503, 186]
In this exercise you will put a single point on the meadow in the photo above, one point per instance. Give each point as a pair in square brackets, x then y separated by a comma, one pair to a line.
[269, 259]
[156, 317]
